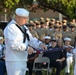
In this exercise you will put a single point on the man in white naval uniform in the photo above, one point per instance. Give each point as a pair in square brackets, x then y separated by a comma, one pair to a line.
[17, 50]
[74, 52]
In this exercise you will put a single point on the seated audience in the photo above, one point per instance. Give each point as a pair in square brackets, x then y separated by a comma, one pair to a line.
[57, 57]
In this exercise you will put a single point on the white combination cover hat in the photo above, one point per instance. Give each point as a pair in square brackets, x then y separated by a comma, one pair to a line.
[22, 12]
[67, 39]
[47, 37]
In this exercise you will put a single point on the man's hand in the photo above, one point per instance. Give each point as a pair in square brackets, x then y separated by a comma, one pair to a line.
[30, 50]
[58, 60]
[42, 46]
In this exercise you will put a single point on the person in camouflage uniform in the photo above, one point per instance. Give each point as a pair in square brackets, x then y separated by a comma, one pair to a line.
[32, 31]
[72, 34]
[55, 33]
[65, 32]
[42, 31]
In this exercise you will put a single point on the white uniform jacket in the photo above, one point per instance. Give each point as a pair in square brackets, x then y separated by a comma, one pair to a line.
[16, 50]
[74, 52]
[69, 54]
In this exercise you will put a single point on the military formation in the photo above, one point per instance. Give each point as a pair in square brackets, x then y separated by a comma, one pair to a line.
[53, 28]
[46, 30]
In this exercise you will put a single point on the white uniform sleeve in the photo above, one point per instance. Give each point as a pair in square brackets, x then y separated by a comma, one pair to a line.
[13, 40]
[74, 51]
[34, 42]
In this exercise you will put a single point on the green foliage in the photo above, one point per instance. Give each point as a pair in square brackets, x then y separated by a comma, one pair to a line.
[9, 3]
[66, 7]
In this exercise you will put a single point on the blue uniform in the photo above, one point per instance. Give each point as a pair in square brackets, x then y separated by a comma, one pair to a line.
[2, 61]
[53, 56]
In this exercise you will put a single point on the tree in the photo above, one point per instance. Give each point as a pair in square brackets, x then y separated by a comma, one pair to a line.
[8, 3]
[65, 7]
[11, 5]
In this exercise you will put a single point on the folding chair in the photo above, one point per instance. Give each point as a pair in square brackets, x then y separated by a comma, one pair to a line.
[41, 60]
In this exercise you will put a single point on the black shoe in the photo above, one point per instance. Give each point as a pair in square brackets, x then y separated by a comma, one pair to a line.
[67, 74]
[53, 72]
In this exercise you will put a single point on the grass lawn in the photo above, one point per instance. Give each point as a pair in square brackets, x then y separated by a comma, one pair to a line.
[62, 72]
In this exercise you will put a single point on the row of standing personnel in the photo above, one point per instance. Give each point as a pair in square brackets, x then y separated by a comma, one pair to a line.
[54, 31]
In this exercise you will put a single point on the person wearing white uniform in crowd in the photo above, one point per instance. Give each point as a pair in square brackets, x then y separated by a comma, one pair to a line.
[17, 43]
[73, 51]
[69, 59]
[47, 41]
[2, 57]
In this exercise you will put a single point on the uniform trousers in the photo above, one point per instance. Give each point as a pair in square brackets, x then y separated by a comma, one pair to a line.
[75, 64]
[69, 61]
[30, 66]
[2, 68]
[75, 69]
[58, 65]
[16, 67]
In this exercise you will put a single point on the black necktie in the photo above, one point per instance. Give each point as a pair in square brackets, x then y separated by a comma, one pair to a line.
[23, 30]
[26, 34]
